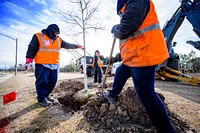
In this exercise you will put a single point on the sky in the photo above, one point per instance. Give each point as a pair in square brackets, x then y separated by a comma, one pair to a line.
[20, 19]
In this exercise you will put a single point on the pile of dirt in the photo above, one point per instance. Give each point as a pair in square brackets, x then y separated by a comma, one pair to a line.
[127, 115]
[64, 93]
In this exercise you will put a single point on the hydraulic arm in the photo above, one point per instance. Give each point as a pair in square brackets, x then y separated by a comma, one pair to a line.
[170, 68]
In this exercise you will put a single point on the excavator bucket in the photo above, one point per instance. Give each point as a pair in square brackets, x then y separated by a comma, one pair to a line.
[168, 72]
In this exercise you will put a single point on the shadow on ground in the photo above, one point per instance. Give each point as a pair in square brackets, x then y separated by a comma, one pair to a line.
[5, 121]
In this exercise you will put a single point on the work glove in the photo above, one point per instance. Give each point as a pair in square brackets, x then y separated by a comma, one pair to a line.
[28, 62]
[110, 60]
[114, 28]
[80, 46]
[116, 32]
[114, 59]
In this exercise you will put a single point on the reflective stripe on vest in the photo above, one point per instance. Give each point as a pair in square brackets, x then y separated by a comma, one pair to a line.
[141, 31]
[44, 49]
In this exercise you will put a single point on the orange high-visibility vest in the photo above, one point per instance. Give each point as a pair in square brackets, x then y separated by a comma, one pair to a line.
[146, 47]
[48, 52]
[99, 62]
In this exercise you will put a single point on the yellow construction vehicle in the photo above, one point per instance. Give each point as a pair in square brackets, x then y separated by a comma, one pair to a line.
[169, 73]
[170, 69]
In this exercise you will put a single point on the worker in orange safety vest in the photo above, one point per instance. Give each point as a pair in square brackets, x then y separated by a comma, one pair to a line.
[142, 48]
[44, 48]
[97, 65]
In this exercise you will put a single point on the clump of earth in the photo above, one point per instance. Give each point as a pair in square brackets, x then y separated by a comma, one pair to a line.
[126, 116]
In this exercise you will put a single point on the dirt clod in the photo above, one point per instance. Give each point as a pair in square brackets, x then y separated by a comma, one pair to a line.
[64, 93]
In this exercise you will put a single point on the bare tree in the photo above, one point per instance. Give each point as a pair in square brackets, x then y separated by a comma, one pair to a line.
[184, 58]
[84, 19]
[189, 60]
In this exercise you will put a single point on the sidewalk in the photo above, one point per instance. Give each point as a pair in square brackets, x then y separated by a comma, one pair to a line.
[4, 76]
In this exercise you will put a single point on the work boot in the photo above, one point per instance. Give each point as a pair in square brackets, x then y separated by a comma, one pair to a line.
[45, 103]
[111, 100]
[99, 85]
[50, 99]
[95, 83]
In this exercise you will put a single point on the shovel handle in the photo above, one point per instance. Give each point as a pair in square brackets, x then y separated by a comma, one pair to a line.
[108, 66]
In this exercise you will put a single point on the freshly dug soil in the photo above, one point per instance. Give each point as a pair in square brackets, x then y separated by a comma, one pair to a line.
[127, 115]
[25, 115]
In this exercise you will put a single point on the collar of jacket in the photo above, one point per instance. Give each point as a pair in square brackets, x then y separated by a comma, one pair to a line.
[120, 4]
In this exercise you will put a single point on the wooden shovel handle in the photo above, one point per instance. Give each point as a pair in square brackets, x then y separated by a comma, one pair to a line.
[108, 66]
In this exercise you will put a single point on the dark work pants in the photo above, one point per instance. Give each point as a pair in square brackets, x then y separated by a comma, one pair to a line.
[97, 74]
[45, 81]
[144, 79]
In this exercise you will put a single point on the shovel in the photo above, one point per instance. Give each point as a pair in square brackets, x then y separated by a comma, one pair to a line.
[108, 66]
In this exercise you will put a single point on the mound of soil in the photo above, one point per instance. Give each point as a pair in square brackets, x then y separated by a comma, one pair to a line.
[127, 115]
[64, 93]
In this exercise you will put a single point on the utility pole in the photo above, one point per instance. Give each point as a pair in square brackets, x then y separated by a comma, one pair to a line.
[15, 39]
[16, 58]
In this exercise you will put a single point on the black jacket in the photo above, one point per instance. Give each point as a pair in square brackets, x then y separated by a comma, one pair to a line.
[132, 18]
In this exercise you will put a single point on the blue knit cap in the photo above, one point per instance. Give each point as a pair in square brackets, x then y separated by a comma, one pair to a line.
[53, 28]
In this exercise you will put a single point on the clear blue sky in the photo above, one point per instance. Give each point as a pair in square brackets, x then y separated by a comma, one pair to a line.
[22, 18]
